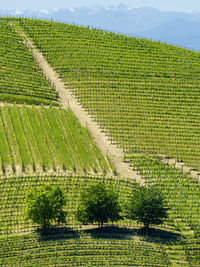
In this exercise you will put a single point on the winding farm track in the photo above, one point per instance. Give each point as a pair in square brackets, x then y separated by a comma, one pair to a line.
[67, 100]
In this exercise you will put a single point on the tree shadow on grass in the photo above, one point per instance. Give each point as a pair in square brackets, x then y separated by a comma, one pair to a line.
[115, 232]
[56, 233]
[110, 232]
[158, 234]
[107, 232]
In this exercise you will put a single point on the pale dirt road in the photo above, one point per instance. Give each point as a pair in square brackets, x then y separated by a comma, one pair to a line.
[67, 100]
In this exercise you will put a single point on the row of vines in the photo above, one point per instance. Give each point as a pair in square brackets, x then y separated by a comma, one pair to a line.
[181, 191]
[84, 250]
[144, 94]
[21, 80]
[69, 244]
[46, 139]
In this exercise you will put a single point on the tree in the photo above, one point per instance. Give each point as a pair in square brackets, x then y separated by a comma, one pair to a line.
[44, 205]
[148, 206]
[98, 205]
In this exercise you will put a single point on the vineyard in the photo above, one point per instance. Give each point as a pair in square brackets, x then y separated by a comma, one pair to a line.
[144, 96]
[21, 80]
[77, 246]
[73, 250]
[181, 191]
[46, 139]
[14, 190]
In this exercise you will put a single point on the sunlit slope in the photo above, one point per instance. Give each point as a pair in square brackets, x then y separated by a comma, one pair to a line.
[71, 249]
[144, 93]
[109, 246]
[181, 192]
[46, 139]
[21, 80]
[14, 189]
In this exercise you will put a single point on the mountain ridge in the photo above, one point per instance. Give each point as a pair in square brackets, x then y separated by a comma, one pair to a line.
[145, 22]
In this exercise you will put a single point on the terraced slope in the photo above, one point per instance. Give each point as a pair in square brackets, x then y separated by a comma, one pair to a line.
[145, 94]
[20, 77]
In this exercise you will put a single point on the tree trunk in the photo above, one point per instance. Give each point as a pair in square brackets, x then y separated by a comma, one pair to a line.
[44, 222]
[146, 227]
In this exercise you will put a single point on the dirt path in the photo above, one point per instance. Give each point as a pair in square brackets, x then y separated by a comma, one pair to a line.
[67, 100]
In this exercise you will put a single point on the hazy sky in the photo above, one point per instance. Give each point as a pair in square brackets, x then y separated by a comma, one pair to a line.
[165, 5]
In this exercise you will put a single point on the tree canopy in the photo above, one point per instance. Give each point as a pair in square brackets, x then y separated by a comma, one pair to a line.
[98, 204]
[148, 206]
[44, 205]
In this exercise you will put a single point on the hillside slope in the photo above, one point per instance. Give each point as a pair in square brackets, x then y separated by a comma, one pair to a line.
[21, 79]
[144, 94]
[46, 139]
[140, 92]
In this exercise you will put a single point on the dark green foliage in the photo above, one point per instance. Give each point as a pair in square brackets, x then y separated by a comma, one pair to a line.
[45, 204]
[147, 206]
[98, 204]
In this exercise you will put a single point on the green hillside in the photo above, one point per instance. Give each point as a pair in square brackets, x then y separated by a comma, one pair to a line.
[46, 139]
[144, 96]
[120, 245]
[181, 191]
[14, 188]
[21, 80]
[72, 250]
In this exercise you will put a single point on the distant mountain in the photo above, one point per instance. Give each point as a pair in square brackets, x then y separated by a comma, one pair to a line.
[179, 32]
[172, 27]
